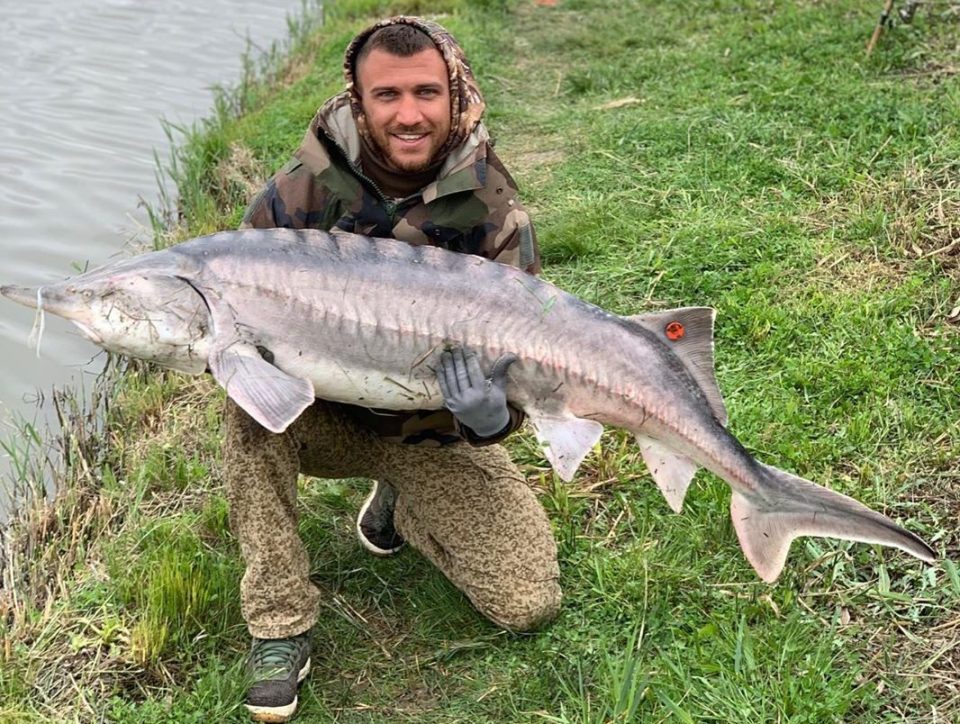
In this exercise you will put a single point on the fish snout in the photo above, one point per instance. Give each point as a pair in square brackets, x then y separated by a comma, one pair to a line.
[27, 296]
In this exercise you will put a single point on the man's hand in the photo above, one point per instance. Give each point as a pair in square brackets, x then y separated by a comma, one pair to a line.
[477, 401]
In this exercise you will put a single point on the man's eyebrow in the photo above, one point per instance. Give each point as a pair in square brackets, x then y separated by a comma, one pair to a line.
[419, 86]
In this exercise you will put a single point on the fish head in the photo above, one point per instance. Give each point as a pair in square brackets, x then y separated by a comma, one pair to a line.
[130, 309]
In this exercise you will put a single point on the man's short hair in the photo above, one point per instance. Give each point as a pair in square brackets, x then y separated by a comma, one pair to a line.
[402, 40]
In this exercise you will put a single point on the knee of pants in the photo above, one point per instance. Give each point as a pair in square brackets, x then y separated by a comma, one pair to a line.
[539, 605]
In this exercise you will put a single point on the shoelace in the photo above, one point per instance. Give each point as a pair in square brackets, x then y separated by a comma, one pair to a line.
[277, 655]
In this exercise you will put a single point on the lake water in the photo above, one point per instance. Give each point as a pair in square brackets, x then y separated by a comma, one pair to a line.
[85, 85]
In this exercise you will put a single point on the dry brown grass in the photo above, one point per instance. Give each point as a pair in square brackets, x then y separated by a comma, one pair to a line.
[239, 177]
[923, 208]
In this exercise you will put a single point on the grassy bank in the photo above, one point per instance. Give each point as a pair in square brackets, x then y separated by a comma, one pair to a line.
[741, 155]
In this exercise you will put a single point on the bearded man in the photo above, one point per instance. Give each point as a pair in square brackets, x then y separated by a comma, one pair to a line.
[401, 153]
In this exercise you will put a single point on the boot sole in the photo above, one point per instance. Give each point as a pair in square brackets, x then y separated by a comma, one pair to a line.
[278, 713]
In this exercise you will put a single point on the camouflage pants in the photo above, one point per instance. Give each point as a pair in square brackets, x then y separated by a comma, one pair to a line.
[467, 509]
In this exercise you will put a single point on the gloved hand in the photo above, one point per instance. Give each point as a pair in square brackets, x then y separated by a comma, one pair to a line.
[477, 401]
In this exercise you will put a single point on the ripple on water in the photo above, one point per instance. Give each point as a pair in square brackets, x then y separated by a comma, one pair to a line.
[85, 85]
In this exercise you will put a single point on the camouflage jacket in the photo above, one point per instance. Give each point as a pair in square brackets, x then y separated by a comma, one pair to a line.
[471, 207]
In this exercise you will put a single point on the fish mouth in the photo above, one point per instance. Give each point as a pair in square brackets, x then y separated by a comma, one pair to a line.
[87, 332]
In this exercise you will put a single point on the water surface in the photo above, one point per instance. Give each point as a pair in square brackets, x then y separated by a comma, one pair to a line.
[85, 85]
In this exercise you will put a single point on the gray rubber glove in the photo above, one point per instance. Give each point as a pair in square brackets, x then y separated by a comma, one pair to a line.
[477, 401]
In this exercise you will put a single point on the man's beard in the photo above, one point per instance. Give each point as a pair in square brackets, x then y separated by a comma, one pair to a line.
[406, 164]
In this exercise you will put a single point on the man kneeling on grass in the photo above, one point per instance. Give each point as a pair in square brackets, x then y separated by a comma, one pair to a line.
[400, 153]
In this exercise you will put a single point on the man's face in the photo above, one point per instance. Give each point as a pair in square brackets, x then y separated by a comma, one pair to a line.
[407, 105]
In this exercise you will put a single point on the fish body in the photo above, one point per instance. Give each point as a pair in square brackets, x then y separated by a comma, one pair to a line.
[282, 317]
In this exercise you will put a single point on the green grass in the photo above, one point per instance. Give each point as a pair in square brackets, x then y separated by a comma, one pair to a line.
[741, 155]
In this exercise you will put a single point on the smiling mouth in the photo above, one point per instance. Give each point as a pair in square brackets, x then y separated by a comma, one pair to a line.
[410, 137]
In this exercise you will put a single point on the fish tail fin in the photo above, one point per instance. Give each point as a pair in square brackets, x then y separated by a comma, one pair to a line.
[797, 507]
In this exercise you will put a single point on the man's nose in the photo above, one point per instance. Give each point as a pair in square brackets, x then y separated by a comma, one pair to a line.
[408, 112]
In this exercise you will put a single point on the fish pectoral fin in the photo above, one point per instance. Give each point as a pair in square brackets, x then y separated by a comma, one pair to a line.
[566, 440]
[804, 508]
[268, 394]
[671, 471]
[688, 331]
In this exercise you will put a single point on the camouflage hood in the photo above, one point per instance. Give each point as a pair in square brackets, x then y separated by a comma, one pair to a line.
[463, 168]
[466, 103]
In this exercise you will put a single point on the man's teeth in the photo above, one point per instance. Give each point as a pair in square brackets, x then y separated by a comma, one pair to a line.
[409, 136]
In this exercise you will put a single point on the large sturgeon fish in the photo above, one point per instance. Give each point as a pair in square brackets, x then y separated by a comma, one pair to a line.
[281, 317]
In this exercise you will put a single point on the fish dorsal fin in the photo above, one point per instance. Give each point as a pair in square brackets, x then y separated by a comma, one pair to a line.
[566, 439]
[268, 394]
[688, 331]
[671, 471]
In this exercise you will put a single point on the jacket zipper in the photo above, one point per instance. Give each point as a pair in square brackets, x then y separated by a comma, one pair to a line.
[389, 206]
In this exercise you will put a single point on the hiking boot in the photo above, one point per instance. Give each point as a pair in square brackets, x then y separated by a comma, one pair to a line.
[375, 521]
[276, 668]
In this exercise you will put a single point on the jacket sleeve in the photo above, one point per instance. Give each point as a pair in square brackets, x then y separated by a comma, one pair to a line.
[293, 199]
[510, 237]
[516, 420]
[516, 244]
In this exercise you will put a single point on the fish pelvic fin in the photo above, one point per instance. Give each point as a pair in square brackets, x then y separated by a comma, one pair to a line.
[565, 438]
[671, 471]
[803, 508]
[688, 331]
[266, 393]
